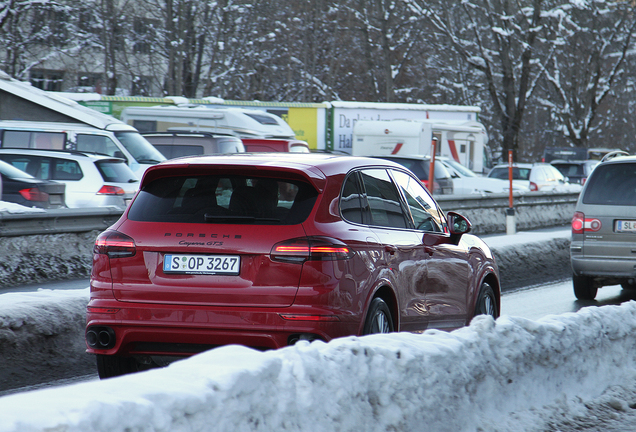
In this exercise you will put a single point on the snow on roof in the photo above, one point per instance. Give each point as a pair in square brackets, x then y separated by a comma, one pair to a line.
[55, 102]
[403, 106]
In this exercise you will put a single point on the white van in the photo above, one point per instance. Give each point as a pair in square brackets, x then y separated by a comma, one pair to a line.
[462, 141]
[117, 140]
[240, 122]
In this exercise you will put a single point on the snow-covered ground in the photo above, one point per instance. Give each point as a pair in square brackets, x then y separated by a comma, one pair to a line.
[561, 372]
[512, 374]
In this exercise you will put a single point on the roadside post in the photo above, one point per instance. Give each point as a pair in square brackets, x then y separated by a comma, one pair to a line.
[511, 224]
[431, 169]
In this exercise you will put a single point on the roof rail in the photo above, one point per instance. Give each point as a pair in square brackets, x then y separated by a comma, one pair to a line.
[613, 154]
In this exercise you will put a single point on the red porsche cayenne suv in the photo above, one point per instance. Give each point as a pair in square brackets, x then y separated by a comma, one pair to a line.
[266, 250]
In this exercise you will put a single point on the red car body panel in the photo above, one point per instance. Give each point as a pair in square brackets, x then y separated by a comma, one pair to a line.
[427, 279]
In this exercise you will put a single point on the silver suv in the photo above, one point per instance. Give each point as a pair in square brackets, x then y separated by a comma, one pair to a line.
[603, 247]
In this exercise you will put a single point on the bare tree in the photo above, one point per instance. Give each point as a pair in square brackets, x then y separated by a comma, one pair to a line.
[595, 39]
[500, 39]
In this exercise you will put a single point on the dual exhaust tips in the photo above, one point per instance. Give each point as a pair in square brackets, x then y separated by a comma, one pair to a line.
[98, 337]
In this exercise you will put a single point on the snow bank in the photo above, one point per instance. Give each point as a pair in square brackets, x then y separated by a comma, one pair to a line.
[13, 208]
[492, 375]
[41, 336]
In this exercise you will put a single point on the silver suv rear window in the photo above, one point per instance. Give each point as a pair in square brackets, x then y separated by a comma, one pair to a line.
[224, 199]
[612, 184]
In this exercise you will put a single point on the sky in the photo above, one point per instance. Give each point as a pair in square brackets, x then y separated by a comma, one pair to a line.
[561, 372]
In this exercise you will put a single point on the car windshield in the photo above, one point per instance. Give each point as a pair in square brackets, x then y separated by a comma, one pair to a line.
[140, 148]
[461, 169]
[224, 199]
[612, 184]
[517, 173]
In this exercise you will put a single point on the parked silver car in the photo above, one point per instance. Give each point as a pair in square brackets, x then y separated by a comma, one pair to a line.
[466, 181]
[91, 180]
[602, 250]
[536, 176]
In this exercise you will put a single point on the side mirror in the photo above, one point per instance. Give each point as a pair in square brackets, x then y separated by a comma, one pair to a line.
[457, 225]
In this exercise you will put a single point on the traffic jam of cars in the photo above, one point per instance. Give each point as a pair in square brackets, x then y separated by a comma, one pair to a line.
[262, 242]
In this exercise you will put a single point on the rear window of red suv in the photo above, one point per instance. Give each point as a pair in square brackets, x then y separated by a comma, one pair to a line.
[224, 199]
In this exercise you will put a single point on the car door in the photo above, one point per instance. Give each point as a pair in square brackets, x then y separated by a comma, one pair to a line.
[399, 247]
[445, 287]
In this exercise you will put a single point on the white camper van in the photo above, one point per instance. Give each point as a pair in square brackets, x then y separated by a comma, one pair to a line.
[239, 122]
[463, 141]
[116, 140]
[34, 118]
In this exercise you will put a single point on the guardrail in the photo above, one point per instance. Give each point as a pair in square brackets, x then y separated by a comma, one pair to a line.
[58, 244]
[57, 221]
[486, 212]
[532, 210]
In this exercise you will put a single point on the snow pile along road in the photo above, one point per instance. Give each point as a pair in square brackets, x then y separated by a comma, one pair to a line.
[41, 336]
[493, 375]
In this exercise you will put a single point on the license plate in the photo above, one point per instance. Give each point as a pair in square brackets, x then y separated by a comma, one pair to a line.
[202, 264]
[625, 226]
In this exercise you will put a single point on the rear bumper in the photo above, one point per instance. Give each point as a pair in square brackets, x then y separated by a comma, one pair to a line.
[151, 329]
[603, 267]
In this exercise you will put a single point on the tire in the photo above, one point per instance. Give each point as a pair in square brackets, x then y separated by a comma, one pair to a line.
[486, 301]
[378, 318]
[584, 287]
[109, 366]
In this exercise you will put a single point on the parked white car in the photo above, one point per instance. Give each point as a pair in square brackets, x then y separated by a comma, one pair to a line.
[538, 177]
[466, 181]
[91, 180]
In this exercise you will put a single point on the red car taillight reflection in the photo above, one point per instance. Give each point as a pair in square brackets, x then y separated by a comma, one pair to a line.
[299, 250]
[580, 224]
[34, 194]
[115, 245]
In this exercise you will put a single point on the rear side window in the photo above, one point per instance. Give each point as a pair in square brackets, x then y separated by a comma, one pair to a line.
[116, 171]
[351, 201]
[383, 198]
[224, 199]
[612, 184]
[66, 170]
[34, 139]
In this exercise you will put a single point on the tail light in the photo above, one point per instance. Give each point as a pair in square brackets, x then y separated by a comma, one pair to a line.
[299, 250]
[115, 245]
[110, 190]
[534, 187]
[425, 183]
[34, 194]
[580, 224]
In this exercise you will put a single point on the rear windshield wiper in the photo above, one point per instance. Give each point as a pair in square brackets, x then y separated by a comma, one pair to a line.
[238, 219]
